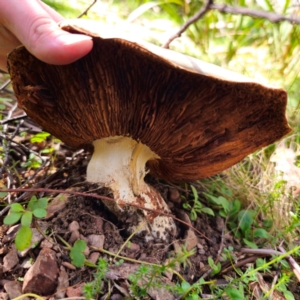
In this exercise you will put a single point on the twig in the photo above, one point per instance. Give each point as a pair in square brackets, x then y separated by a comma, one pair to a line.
[242, 262]
[221, 243]
[238, 10]
[45, 190]
[204, 9]
[6, 148]
[86, 11]
[261, 251]
[16, 118]
[235, 10]
[5, 84]
[28, 150]
[274, 282]
[294, 265]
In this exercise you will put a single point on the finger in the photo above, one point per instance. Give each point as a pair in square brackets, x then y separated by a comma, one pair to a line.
[40, 34]
[7, 43]
[51, 12]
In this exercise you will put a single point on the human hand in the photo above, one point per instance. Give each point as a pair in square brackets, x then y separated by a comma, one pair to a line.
[34, 24]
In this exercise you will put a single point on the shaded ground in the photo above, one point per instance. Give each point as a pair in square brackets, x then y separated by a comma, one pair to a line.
[94, 219]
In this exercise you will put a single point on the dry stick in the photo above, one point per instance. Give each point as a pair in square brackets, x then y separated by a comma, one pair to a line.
[238, 10]
[257, 253]
[45, 190]
[295, 267]
[86, 11]
[242, 262]
[7, 146]
[204, 9]
[235, 10]
[270, 297]
[16, 118]
[261, 251]
[5, 84]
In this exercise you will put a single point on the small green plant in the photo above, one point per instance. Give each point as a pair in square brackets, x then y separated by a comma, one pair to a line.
[188, 291]
[216, 268]
[240, 221]
[92, 289]
[197, 206]
[33, 162]
[39, 137]
[140, 280]
[147, 277]
[76, 253]
[3, 102]
[35, 208]
[182, 257]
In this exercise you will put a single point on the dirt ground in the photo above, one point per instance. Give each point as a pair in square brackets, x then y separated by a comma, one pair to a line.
[94, 219]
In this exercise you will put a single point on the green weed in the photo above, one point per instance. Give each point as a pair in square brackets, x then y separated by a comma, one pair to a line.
[92, 289]
[35, 208]
[76, 253]
[196, 206]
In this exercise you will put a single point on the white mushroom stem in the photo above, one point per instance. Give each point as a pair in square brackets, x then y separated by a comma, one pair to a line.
[119, 163]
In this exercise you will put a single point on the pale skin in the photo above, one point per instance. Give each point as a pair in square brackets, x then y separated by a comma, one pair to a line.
[34, 24]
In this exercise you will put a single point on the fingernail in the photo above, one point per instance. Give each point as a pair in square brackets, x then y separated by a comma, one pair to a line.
[68, 39]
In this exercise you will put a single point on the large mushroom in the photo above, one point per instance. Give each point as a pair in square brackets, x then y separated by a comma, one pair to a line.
[143, 112]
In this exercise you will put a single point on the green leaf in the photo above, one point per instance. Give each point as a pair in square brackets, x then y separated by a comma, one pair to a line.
[40, 213]
[245, 220]
[32, 202]
[42, 202]
[80, 245]
[261, 233]
[193, 215]
[223, 214]
[77, 258]
[250, 244]
[195, 193]
[208, 211]
[268, 223]
[12, 218]
[23, 238]
[35, 203]
[3, 194]
[234, 294]
[26, 218]
[211, 262]
[186, 206]
[235, 207]
[76, 253]
[48, 150]
[39, 137]
[288, 295]
[198, 206]
[3, 99]
[16, 207]
[221, 201]
[185, 286]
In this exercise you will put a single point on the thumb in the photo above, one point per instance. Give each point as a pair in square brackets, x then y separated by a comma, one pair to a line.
[38, 31]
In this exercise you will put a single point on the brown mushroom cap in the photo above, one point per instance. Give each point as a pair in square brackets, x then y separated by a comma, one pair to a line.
[198, 125]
